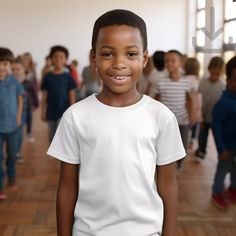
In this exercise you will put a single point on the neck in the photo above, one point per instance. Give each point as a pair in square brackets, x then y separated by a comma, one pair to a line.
[119, 100]
[58, 70]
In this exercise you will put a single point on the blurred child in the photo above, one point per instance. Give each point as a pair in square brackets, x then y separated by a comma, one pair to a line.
[211, 89]
[11, 103]
[47, 67]
[32, 78]
[91, 82]
[224, 131]
[18, 71]
[111, 144]
[58, 90]
[192, 68]
[174, 92]
[158, 59]
[74, 73]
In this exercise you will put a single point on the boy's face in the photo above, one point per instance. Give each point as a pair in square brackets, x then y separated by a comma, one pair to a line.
[215, 74]
[119, 58]
[172, 62]
[18, 71]
[232, 81]
[59, 60]
[5, 68]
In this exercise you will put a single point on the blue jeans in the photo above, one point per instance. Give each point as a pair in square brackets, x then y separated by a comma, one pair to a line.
[11, 146]
[224, 167]
[52, 125]
[203, 136]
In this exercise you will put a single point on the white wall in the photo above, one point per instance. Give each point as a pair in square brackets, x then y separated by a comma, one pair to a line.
[34, 26]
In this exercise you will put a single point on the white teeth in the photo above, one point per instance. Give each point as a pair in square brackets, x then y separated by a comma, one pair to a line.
[120, 77]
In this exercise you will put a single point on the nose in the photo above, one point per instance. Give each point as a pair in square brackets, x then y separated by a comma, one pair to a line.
[119, 63]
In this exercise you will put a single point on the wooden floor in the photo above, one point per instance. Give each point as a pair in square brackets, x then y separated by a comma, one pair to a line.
[30, 210]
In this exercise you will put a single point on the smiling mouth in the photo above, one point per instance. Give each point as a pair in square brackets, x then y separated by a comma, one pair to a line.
[120, 77]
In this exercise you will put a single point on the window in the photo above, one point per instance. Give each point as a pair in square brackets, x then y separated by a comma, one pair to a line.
[200, 36]
[229, 44]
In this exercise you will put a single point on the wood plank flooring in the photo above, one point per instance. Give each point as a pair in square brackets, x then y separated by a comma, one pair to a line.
[30, 210]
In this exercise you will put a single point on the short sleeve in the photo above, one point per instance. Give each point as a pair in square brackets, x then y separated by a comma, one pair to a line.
[65, 145]
[169, 144]
[44, 83]
[71, 83]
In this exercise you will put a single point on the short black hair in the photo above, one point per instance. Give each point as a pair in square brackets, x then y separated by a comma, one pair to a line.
[159, 60]
[59, 48]
[230, 66]
[119, 17]
[6, 55]
[176, 52]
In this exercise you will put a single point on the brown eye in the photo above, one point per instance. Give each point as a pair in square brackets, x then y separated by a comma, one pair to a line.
[132, 54]
[106, 54]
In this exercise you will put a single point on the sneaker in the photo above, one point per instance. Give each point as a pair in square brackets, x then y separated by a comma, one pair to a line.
[30, 138]
[12, 186]
[231, 194]
[219, 201]
[199, 156]
[3, 196]
[20, 160]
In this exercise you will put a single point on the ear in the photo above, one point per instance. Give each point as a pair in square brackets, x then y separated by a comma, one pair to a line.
[92, 57]
[145, 58]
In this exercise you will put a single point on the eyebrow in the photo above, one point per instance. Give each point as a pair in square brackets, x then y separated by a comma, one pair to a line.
[128, 47]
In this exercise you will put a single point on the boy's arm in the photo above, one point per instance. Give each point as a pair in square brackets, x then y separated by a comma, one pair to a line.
[72, 97]
[168, 191]
[19, 110]
[67, 195]
[44, 105]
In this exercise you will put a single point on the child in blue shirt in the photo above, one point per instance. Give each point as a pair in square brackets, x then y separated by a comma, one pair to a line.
[224, 131]
[11, 103]
[58, 90]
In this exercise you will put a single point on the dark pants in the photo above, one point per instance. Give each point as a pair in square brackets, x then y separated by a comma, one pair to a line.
[28, 120]
[184, 132]
[11, 145]
[194, 131]
[224, 167]
[203, 136]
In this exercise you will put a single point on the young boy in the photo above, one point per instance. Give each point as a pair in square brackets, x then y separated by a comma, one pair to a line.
[211, 89]
[11, 103]
[109, 144]
[224, 131]
[58, 90]
[174, 91]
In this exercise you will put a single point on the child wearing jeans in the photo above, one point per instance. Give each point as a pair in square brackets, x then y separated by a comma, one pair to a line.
[113, 143]
[58, 90]
[211, 89]
[224, 131]
[11, 103]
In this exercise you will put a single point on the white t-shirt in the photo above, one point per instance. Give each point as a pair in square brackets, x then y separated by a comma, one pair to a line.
[118, 149]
